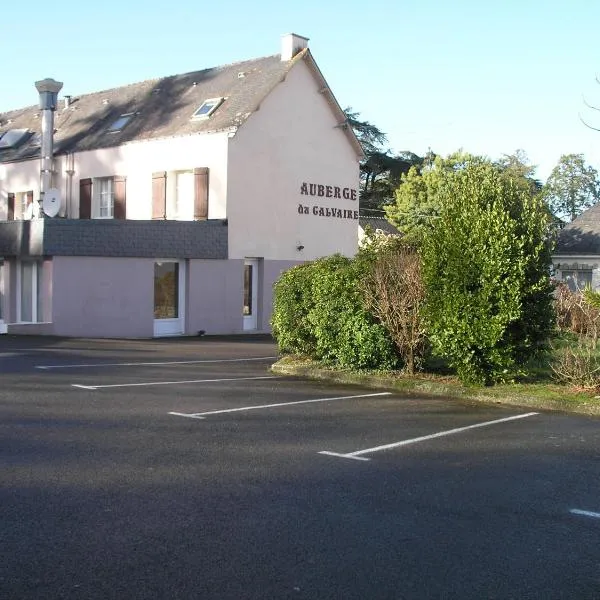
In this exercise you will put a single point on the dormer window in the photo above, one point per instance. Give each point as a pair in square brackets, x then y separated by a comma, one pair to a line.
[120, 123]
[12, 138]
[207, 108]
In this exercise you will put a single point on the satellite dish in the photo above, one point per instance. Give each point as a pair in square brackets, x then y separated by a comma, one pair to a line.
[51, 203]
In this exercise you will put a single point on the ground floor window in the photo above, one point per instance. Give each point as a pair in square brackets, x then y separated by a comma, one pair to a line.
[166, 290]
[2, 296]
[250, 304]
[577, 280]
[29, 292]
[169, 294]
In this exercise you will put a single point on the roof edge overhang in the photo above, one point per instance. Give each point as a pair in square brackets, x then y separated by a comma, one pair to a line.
[307, 56]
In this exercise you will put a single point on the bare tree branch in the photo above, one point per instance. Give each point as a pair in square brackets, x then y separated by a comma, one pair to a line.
[587, 124]
[590, 105]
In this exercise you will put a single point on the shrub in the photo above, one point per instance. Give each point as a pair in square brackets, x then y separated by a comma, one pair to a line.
[578, 312]
[485, 265]
[319, 311]
[394, 292]
[578, 365]
[292, 303]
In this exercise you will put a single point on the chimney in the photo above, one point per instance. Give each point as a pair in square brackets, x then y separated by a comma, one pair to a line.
[48, 90]
[291, 44]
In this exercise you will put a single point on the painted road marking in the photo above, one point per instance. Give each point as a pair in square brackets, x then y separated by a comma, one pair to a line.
[358, 454]
[151, 364]
[244, 408]
[585, 513]
[121, 385]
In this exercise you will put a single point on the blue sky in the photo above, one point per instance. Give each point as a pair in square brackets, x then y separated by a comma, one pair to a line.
[490, 78]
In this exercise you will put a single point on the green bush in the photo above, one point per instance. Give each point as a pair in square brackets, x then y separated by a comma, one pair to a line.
[319, 311]
[485, 264]
[292, 303]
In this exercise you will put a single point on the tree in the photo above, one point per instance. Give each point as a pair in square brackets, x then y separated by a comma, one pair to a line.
[517, 168]
[417, 198]
[381, 170]
[572, 187]
[486, 265]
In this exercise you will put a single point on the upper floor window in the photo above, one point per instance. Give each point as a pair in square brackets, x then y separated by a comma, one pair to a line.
[105, 200]
[181, 195]
[102, 198]
[20, 206]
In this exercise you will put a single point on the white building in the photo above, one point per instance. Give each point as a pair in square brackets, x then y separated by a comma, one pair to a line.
[576, 257]
[179, 201]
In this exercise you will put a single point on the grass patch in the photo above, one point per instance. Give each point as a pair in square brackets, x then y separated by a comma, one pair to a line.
[538, 392]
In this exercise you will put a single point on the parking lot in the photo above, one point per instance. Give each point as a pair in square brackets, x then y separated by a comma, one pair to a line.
[186, 469]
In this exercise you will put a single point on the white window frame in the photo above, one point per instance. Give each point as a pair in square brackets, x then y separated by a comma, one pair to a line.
[22, 211]
[36, 273]
[97, 195]
[215, 102]
[174, 210]
[3, 327]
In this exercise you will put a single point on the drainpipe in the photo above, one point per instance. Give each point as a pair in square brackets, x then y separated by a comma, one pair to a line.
[48, 90]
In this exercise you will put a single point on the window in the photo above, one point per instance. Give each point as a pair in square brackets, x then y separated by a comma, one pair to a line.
[166, 290]
[12, 138]
[104, 197]
[30, 292]
[25, 205]
[181, 195]
[207, 108]
[120, 123]
[577, 280]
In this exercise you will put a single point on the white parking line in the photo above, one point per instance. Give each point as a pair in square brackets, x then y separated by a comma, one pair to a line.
[151, 364]
[585, 513]
[243, 408]
[148, 383]
[358, 454]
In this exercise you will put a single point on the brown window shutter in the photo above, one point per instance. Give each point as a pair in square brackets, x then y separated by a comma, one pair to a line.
[85, 198]
[29, 197]
[120, 201]
[201, 194]
[159, 195]
[11, 208]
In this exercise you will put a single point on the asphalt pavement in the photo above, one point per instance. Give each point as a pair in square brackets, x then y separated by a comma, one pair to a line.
[185, 469]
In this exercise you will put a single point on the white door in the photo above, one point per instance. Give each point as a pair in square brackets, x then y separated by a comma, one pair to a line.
[2, 296]
[250, 293]
[169, 295]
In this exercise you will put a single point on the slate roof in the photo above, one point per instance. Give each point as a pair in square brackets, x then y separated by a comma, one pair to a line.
[378, 223]
[582, 235]
[162, 107]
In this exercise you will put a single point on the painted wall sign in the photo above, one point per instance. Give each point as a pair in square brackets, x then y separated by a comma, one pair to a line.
[324, 211]
[327, 191]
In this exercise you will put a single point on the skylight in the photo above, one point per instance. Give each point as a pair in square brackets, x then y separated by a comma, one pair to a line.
[12, 138]
[120, 123]
[207, 108]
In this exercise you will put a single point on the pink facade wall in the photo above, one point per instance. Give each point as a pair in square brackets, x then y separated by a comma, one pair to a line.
[103, 297]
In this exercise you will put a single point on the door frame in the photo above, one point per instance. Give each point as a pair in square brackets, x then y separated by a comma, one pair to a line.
[3, 327]
[174, 326]
[250, 322]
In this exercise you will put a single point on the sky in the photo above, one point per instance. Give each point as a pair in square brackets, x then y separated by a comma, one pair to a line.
[488, 78]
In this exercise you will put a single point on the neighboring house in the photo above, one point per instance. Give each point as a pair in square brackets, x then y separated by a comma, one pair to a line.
[576, 258]
[178, 201]
[377, 225]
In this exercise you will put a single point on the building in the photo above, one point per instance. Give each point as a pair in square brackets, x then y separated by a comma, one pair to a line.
[576, 257]
[171, 206]
[378, 226]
